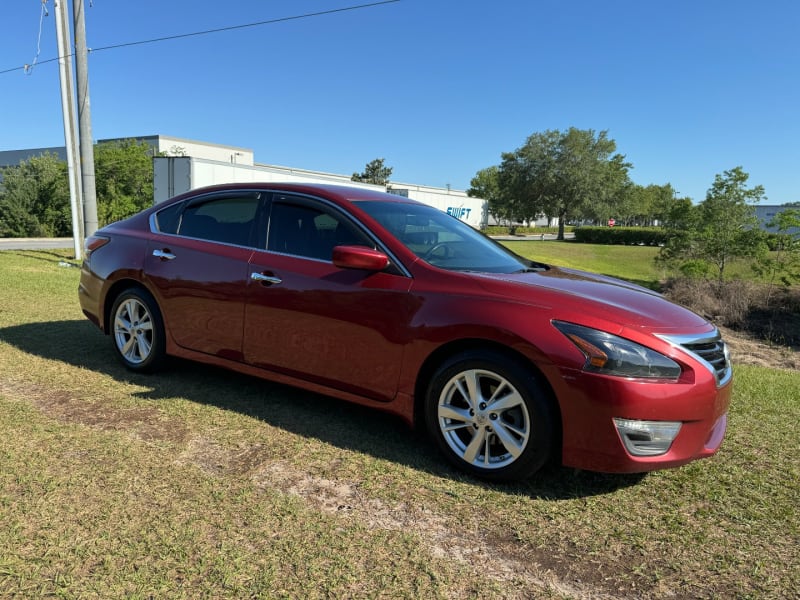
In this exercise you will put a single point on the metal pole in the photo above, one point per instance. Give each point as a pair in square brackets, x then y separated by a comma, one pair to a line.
[84, 120]
[70, 131]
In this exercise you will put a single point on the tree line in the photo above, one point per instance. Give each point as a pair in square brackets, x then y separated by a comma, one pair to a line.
[573, 175]
[577, 175]
[34, 195]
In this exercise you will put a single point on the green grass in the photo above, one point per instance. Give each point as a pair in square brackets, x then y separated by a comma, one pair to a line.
[201, 483]
[633, 263]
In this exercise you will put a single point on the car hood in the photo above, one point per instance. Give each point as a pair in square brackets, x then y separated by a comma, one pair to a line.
[588, 295]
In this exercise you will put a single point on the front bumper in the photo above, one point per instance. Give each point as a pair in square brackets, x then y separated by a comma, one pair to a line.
[593, 441]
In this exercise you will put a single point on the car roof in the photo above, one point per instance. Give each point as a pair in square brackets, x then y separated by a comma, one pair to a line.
[341, 192]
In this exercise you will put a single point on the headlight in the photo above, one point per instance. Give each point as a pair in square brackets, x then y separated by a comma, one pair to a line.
[612, 355]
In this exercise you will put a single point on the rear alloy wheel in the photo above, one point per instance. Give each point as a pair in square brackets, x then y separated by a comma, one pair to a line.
[489, 416]
[138, 331]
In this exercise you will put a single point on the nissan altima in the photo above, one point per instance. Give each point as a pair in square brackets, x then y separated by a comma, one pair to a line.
[376, 299]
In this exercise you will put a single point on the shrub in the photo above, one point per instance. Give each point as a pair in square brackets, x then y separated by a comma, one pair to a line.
[742, 305]
[695, 269]
[519, 230]
[622, 236]
[725, 303]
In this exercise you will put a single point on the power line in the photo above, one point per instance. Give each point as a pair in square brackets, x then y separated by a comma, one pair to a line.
[217, 30]
[29, 68]
[256, 24]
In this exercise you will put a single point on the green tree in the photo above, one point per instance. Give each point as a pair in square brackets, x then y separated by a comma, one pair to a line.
[568, 175]
[375, 172]
[34, 199]
[784, 262]
[644, 205]
[720, 229]
[124, 179]
[486, 185]
[663, 201]
[524, 195]
[681, 250]
[681, 216]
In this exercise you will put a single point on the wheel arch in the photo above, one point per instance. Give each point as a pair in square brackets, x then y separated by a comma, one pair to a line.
[455, 347]
[117, 288]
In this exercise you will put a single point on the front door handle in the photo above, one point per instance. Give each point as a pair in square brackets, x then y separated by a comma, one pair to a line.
[163, 254]
[265, 279]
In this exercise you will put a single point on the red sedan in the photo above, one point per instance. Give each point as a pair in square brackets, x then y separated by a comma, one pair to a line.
[393, 304]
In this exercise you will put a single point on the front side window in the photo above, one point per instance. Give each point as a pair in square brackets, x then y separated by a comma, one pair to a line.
[302, 229]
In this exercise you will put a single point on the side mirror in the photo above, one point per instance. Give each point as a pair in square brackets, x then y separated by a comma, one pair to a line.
[359, 257]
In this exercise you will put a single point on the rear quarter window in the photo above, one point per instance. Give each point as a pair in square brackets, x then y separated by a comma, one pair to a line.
[167, 220]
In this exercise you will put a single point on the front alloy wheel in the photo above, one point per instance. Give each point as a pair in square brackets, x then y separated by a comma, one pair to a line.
[138, 331]
[489, 416]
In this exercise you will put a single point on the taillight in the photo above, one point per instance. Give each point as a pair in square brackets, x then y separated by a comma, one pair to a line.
[93, 242]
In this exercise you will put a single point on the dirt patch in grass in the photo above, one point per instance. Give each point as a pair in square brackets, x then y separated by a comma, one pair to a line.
[464, 540]
[215, 459]
[748, 350]
[146, 423]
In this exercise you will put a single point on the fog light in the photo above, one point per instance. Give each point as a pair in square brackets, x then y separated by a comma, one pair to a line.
[647, 438]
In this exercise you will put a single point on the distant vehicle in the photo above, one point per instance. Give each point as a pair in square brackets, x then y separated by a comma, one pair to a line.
[390, 303]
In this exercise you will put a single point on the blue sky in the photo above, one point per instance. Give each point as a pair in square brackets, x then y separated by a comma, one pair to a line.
[440, 88]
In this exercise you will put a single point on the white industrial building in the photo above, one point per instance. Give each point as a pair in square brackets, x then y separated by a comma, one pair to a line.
[180, 165]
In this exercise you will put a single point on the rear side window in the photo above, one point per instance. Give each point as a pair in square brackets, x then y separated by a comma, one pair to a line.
[229, 219]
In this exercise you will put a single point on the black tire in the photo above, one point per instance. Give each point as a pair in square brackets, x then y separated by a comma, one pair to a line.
[137, 331]
[489, 416]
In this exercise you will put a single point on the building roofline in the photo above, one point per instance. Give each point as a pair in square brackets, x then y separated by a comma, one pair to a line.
[159, 136]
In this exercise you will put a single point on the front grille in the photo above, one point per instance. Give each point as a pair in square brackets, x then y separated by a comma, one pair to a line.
[711, 350]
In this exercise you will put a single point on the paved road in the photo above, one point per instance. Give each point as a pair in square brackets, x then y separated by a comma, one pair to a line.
[35, 243]
[533, 237]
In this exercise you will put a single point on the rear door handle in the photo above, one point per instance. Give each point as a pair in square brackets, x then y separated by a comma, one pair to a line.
[163, 254]
[265, 279]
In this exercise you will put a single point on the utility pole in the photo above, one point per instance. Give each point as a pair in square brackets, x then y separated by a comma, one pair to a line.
[70, 129]
[84, 120]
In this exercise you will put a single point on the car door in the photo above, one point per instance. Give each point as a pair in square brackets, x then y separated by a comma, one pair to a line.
[198, 265]
[305, 317]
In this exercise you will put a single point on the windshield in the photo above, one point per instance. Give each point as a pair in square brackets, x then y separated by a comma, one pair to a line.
[443, 240]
